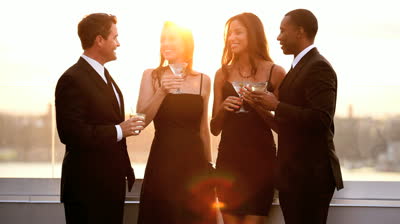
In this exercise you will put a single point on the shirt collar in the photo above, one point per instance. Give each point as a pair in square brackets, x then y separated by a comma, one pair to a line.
[96, 66]
[301, 55]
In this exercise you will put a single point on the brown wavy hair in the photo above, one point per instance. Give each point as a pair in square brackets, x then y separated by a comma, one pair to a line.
[257, 42]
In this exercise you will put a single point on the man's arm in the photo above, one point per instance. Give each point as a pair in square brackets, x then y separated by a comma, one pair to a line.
[320, 96]
[71, 112]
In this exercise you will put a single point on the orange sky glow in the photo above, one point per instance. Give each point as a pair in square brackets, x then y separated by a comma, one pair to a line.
[40, 42]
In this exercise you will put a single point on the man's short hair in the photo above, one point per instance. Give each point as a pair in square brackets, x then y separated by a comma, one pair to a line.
[305, 19]
[93, 25]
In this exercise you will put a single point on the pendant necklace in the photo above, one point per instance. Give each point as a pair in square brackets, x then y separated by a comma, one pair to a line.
[242, 75]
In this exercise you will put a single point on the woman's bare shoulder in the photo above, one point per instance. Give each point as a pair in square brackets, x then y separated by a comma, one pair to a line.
[148, 72]
[279, 70]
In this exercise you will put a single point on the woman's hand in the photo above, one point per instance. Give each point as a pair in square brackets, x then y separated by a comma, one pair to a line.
[170, 83]
[232, 103]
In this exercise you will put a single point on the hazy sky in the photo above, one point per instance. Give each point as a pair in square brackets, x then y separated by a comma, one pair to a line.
[39, 42]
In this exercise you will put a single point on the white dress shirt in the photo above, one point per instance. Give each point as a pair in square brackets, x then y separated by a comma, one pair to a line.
[301, 55]
[100, 70]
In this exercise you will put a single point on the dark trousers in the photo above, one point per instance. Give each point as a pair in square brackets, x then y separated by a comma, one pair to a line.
[305, 208]
[94, 212]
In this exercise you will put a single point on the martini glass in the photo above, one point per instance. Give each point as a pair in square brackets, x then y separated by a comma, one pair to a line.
[258, 86]
[237, 86]
[178, 69]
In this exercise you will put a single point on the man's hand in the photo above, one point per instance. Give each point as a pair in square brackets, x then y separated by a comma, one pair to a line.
[266, 99]
[132, 126]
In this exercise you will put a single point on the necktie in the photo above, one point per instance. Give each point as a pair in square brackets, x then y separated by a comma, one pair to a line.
[109, 82]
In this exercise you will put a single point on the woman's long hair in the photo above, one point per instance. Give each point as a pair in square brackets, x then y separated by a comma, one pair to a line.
[188, 45]
[257, 42]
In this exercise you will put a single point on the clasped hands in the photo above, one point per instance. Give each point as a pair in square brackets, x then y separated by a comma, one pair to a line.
[267, 100]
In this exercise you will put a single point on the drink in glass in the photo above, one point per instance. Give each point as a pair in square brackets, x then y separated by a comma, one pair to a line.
[178, 69]
[258, 86]
[140, 115]
[237, 86]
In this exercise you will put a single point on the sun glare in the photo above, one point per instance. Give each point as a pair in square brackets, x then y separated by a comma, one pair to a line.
[218, 205]
[42, 44]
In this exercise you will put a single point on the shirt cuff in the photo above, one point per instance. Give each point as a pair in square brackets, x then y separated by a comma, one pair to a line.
[119, 132]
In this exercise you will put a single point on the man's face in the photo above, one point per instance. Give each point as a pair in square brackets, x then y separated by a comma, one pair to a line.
[288, 36]
[110, 45]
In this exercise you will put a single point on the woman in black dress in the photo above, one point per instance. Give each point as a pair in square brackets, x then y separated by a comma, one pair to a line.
[175, 189]
[246, 153]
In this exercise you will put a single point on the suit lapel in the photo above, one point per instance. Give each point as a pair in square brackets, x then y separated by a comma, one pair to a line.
[93, 75]
[285, 80]
[117, 108]
[293, 74]
[104, 89]
[121, 109]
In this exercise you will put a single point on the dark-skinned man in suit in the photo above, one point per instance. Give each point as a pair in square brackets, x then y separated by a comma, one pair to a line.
[308, 168]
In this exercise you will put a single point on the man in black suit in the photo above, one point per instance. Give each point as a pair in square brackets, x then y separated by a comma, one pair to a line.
[90, 122]
[308, 168]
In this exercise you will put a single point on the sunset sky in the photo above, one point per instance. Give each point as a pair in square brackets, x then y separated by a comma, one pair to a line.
[39, 42]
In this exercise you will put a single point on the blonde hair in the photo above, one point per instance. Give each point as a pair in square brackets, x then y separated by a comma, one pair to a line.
[188, 45]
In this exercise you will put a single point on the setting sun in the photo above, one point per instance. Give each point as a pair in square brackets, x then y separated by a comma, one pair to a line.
[41, 43]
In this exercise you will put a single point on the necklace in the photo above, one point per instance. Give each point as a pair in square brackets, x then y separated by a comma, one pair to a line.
[244, 75]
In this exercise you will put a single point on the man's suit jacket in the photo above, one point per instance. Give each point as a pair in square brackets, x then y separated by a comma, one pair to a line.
[307, 161]
[95, 164]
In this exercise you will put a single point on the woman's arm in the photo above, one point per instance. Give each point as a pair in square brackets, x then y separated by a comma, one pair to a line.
[220, 106]
[204, 129]
[152, 95]
[278, 74]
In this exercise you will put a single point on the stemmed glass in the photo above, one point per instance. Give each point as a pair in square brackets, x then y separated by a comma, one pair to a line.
[178, 69]
[258, 86]
[237, 85]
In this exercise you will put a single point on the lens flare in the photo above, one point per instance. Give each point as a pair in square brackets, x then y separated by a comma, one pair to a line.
[218, 205]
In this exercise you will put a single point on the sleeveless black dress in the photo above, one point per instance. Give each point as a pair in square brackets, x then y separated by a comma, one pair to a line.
[246, 162]
[174, 189]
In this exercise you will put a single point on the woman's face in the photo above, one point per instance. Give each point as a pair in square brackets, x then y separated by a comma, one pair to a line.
[172, 46]
[237, 37]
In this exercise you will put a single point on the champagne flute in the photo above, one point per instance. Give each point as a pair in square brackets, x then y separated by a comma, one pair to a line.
[237, 86]
[178, 69]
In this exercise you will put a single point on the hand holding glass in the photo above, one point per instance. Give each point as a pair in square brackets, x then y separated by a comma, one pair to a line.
[138, 115]
[178, 69]
[238, 85]
[258, 86]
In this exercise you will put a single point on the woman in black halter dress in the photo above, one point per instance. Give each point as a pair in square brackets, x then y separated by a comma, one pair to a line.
[246, 154]
[175, 187]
